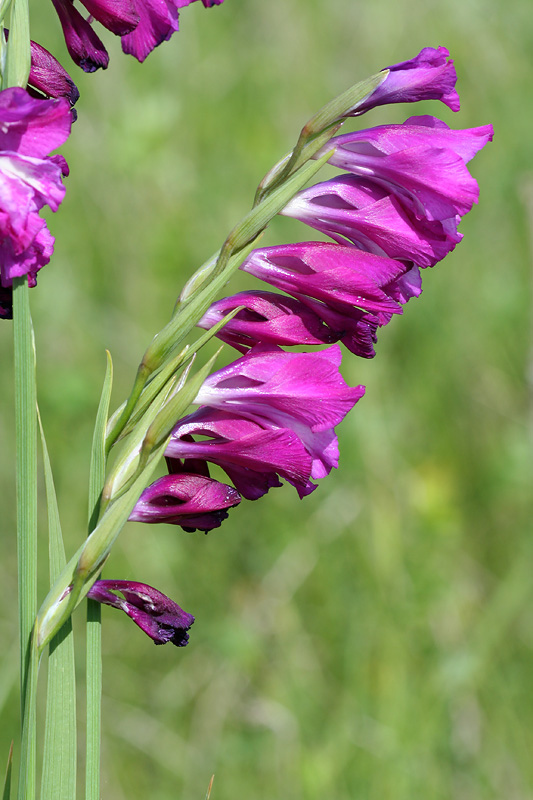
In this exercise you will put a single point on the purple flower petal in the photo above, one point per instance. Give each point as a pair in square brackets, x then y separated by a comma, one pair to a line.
[428, 76]
[156, 614]
[247, 450]
[118, 16]
[288, 389]
[423, 162]
[158, 20]
[83, 45]
[266, 317]
[372, 218]
[341, 276]
[32, 127]
[29, 129]
[49, 77]
[192, 501]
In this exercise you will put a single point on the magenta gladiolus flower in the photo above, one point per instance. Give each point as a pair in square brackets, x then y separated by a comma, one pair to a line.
[373, 219]
[292, 390]
[422, 162]
[156, 614]
[29, 180]
[428, 76]
[252, 454]
[192, 501]
[158, 21]
[340, 276]
[266, 318]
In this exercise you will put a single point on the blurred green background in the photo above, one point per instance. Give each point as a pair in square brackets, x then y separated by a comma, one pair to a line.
[374, 641]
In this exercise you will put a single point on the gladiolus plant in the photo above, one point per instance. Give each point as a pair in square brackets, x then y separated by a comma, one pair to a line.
[195, 439]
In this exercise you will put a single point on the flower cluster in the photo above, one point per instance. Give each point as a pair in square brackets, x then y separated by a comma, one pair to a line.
[29, 179]
[272, 414]
[141, 24]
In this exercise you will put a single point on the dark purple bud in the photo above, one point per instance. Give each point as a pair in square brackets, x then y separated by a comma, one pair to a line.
[192, 501]
[49, 77]
[156, 614]
[83, 45]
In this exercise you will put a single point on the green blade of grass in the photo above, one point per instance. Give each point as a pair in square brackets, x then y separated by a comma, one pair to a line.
[59, 759]
[6, 794]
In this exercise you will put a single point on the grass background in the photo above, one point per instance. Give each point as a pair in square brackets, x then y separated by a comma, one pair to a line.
[374, 641]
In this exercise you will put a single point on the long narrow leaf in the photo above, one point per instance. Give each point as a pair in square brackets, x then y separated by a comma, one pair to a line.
[97, 469]
[27, 778]
[59, 759]
[6, 794]
[94, 616]
[26, 438]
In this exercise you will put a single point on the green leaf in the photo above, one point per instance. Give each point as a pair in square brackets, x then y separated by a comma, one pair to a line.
[6, 794]
[17, 67]
[26, 785]
[94, 615]
[98, 458]
[59, 758]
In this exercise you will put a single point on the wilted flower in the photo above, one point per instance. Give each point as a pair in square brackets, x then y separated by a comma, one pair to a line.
[29, 180]
[190, 500]
[156, 614]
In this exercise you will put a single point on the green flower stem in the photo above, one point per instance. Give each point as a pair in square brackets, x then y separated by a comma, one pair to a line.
[15, 73]
[94, 609]
[26, 476]
[317, 131]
